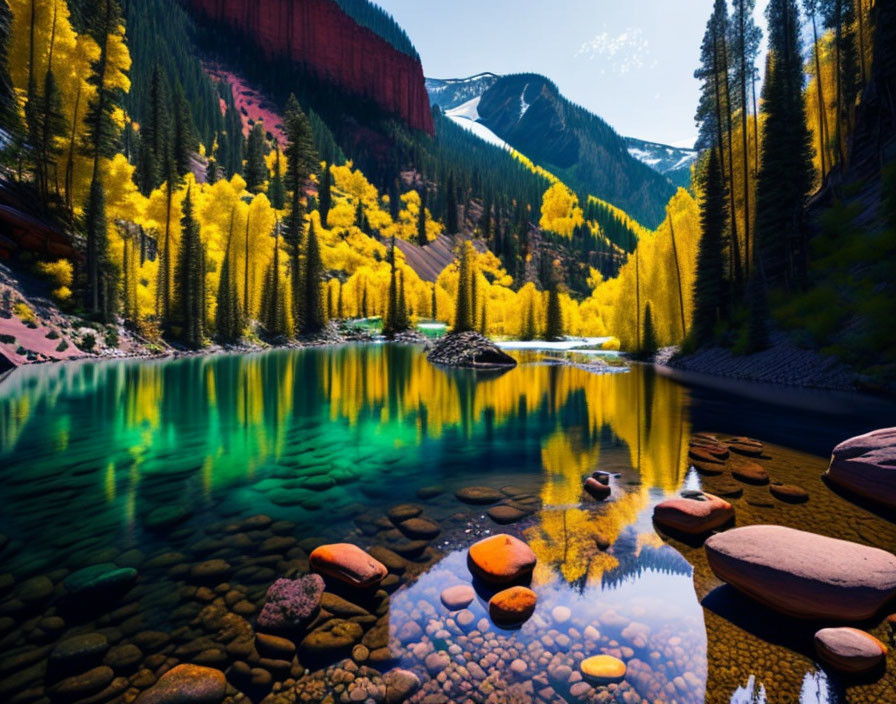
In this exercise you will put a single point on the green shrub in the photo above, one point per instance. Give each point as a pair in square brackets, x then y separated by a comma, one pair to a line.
[87, 343]
[8, 339]
[62, 346]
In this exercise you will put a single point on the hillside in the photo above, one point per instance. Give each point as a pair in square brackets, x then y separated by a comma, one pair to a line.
[672, 162]
[528, 112]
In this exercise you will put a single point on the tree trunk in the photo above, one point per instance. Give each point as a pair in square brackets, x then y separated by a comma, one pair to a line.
[678, 276]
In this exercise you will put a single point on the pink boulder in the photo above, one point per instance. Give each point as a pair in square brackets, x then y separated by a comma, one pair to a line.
[849, 650]
[348, 564]
[803, 574]
[693, 515]
[866, 466]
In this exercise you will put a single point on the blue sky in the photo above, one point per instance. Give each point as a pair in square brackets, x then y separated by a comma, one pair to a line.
[629, 61]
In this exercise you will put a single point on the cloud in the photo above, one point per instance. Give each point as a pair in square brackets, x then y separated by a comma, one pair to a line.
[625, 52]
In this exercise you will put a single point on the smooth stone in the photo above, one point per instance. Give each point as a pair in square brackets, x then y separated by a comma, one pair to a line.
[420, 528]
[479, 495]
[745, 446]
[430, 492]
[501, 559]
[335, 604]
[210, 571]
[187, 684]
[803, 574]
[750, 473]
[849, 650]
[103, 581]
[81, 685]
[596, 489]
[693, 516]
[335, 635]
[707, 455]
[789, 493]
[397, 514]
[400, 685]
[83, 651]
[505, 514]
[392, 560]
[866, 466]
[123, 657]
[348, 564]
[724, 488]
[35, 589]
[274, 646]
[458, 597]
[561, 614]
[512, 606]
[603, 669]
[436, 662]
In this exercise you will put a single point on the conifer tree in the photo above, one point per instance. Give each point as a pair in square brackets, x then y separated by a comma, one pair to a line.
[648, 343]
[9, 117]
[301, 160]
[276, 189]
[710, 286]
[190, 278]
[314, 317]
[554, 314]
[212, 172]
[812, 9]
[390, 322]
[324, 195]
[529, 331]
[483, 319]
[255, 171]
[402, 320]
[183, 139]
[451, 224]
[102, 19]
[274, 317]
[786, 172]
[340, 304]
[228, 317]
[758, 335]
[422, 237]
[464, 312]
[435, 302]
[155, 136]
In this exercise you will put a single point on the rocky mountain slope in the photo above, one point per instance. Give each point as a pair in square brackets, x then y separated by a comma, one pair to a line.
[528, 112]
[322, 37]
[672, 162]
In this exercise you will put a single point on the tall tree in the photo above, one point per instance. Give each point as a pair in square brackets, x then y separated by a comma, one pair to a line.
[554, 314]
[422, 237]
[256, 170]
[390, 322]
[464, 312]
[102, 20]
[786, 173]
[812, 9]
[276, 189]
[324, 194]
[155, 136]
[228, 317]
[190, 277]
[274, 314]
[183, 138]
[649, 343]
[301, 161]
[314, 318]
[9, 117]
[710, 286]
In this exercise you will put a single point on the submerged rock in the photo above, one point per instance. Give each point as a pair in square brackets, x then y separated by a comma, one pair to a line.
[469, 349]
[291, 602]
[802, 574]
[849, 650]
[187, 684]
[789, 493]
[479, 495]
[458, 597]
[750, 473]
[348, 564]
[596, 489]
[512, 606]
[400, 685]
[603, 669]
[501, 559]
[103, 581]
[693, 515]
[866, 465]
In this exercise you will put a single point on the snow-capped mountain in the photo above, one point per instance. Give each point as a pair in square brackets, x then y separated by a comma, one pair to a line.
[673, 162]
[449, 93]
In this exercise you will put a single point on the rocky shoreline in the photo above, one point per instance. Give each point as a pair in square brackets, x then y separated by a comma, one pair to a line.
[470, 350]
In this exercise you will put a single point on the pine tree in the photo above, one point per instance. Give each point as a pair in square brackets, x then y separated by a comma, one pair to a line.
[276, 189]
[212, 172]
[183, 139]
[314, 318]
[451, 224]
[390, 322]
[228, 317]
[554, 313]
[812, 8]
[189, 277]
[155, 136]
[529, 330]
[324, 195]
[483, 319]
[256, 170]
[786, 172]
[402, 320]
[9, 117]
[103, 18]
[301, 161]
[710, 286]
[422, 237]
[274, 317]
[649, 344]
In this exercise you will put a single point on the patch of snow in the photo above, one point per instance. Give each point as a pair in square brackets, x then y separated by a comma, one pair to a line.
[469, 110]
[524, 106]
[684, 161]
[467, 116]
[644, 156]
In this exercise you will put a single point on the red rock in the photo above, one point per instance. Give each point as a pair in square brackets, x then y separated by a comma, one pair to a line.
[512, 606]
[501, 559]
[319, 36]
[597, 489]
[715, 453]
[745, 446]
[866, 466]
[187, 684]
[803, 574]
[750, 473]
[693, 516]
[789, 493]
[349, 564]
[849, 650]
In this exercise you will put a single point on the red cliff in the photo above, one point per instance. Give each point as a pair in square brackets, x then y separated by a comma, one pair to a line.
[329, 43]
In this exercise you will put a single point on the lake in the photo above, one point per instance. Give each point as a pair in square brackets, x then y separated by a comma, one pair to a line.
[213, 476]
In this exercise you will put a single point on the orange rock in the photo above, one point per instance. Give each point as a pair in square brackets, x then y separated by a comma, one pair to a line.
[187, 683]
[750, 473]
[603, 669]
[501, 559]
[512, 606]
[349, 564]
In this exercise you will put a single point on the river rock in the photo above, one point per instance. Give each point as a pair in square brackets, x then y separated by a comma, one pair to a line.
[400, 685]
[501, 559]
[512, 606]
[750, 473]
[849, 650]
[803, 574]
[291, 602]
[789, 493]
[745, 446]
[78, 653]
[210, 571]
[335, 636]
[597, 490]
[348, 564]
[505, 514]
[695, 515]
[479, 495]
[458, 597]
[187, 684]
[469, 349]
[81, 685]
[397, 514]
[420, 528]
[603, 669]
[866, 466]
[104, 582]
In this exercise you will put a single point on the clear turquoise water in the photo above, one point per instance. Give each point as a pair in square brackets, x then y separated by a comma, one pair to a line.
[102, 459]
